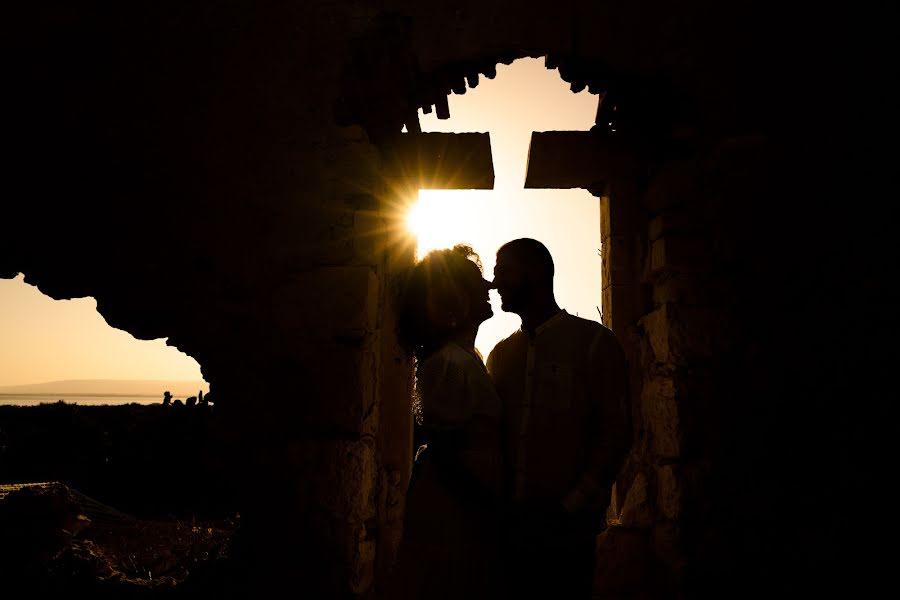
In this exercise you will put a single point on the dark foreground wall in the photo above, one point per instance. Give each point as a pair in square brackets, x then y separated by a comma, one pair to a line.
[212, 173]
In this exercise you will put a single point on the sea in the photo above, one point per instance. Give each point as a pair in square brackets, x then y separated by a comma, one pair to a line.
[109, 399]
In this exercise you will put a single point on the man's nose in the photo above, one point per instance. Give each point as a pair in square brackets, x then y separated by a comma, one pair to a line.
[491, 285]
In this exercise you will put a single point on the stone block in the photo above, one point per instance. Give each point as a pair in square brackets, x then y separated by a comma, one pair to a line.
[605, 217]
[637, 510]
[363, 567]
[680, 415]
[676, 183]
[685, 335]
[355, 237]
[661, 417]
[606, 299]
[613, 510]
[568, 159]
[362, 201]
[391, 508]
[369, 237]
[621, 303]
[321, 235]
[350, 166]
[616, 260]
[668, 547]
[441, 161]
[336, 479]
[626, 565]
[673, 221]
[345, 388]
[692, 288]
[620, 212]
[328, 304]
[681, 252]
[332, 241]
[334, 483]
[690, 485]
[669, 492]
[351, 133]
[326, 388]
[395, 393]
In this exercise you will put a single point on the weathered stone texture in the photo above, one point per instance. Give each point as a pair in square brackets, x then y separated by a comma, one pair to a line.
[682, 335]
[673, 222]
[421, 158]
[661, 415]
[571, 159]
[669, 549]
[674, 185]
[626, 565]
[694, 288]
[346, 297]
[340, 502]
[638, 509]
[681, 415]
[681, 252]
[669, 492]
[616, 259]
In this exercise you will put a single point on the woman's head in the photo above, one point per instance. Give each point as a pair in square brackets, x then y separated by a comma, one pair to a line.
[443, 295]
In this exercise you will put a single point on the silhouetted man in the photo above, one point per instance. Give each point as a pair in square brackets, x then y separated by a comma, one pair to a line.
[562, 380]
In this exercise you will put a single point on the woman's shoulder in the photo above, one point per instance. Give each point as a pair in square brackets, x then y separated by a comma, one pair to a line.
[451, 368]
[450, 354]
[442, 364]
[441, 356]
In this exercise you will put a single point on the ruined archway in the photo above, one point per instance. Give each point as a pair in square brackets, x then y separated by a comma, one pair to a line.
[267, 130]
[606, 161]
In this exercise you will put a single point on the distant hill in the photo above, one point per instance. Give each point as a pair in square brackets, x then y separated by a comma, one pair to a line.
[109, 387]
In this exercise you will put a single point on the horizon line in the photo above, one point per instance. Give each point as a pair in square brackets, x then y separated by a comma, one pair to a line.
[102, 379]
[4, 395]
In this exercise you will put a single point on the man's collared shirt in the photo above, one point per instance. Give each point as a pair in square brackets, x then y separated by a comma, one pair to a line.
[566, 420]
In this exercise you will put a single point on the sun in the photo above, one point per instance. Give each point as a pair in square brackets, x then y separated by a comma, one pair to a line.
[419, 220]
[445, 218]
[437, 219]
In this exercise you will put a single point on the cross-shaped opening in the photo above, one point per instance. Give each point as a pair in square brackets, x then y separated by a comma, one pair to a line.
[523, 97]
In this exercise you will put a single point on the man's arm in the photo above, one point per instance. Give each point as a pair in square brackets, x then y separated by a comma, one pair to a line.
[611, 418]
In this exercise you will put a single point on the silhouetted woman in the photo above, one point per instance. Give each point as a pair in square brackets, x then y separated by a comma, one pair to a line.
[451, 530]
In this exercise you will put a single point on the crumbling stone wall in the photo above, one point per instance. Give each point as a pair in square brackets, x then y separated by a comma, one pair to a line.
[212, 173]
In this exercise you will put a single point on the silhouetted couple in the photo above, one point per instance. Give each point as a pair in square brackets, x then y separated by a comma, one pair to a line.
[508, 496]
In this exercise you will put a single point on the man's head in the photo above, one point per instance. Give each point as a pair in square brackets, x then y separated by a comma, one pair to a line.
[523, 274]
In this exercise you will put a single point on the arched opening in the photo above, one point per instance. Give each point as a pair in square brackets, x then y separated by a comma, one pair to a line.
[110, 438]
[64, 350]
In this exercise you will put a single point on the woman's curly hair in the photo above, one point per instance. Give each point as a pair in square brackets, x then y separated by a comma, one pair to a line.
[434, 283]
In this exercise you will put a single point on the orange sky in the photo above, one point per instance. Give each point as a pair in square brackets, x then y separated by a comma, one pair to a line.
[45, 340]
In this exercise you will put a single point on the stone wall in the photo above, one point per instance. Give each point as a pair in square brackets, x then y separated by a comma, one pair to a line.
[212, 173]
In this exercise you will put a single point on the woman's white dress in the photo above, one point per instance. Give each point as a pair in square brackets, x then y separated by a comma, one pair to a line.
[450, 546]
